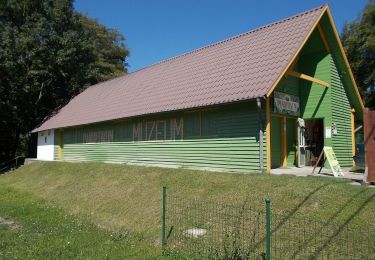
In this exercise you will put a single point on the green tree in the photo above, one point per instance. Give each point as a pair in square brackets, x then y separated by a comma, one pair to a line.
[358, 38]
[48, 53]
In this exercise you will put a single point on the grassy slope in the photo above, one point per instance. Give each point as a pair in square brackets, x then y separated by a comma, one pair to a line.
[41, 231]
[129, 197]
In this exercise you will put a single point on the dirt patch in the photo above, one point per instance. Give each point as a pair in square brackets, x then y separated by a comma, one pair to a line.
[9, 223]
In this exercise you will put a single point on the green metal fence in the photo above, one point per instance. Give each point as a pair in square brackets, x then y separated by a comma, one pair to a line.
[199, 229]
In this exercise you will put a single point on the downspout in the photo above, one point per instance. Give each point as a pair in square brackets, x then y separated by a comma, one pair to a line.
[261, 149]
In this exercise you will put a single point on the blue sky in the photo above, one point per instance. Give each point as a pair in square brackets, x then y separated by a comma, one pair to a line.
[160, 29]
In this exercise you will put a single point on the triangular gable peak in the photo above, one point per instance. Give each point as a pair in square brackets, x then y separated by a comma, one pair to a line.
[323, 38]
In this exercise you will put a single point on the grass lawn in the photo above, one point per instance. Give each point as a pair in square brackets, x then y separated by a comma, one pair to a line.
[33, 229]
[90, 210]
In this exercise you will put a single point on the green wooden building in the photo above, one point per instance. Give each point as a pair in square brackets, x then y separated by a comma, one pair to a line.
[271, 97]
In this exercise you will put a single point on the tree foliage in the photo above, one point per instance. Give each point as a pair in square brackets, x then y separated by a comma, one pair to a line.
[48, 53]
[358, 38]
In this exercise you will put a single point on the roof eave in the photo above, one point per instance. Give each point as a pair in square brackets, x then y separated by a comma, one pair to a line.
[41, 128]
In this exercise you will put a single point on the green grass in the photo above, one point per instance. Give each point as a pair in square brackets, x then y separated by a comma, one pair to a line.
[125, 202]
[37, 230]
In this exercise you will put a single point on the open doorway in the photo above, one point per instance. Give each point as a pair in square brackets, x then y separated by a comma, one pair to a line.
[314, 140]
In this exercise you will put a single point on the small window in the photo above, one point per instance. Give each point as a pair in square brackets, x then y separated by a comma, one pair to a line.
[192, 124]
[209, 123]
[45, 139]
[49, 132]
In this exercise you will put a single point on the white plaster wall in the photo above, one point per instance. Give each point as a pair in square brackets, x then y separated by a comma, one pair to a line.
[45, 145]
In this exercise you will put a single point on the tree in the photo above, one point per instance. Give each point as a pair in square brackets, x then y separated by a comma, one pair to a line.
[48, 54]
[358, 38]
[109, 47]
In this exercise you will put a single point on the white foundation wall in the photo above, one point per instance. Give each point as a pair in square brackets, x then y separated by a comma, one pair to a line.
[45, 145]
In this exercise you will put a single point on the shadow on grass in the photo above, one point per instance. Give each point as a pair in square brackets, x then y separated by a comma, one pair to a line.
[296, 208]
[328, 222]
[342, 227]
[290, 215]
[293, 212]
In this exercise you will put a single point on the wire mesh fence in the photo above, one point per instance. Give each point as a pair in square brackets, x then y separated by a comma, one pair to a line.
[214, 231]
[204, 229]
[294, 237]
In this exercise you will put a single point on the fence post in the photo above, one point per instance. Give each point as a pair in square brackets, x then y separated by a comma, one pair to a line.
[268, 228]
[163, 237]
[16, 162]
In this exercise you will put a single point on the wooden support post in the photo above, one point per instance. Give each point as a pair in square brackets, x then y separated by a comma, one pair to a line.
[283, 142]
[268, 134]
[261, 148]
[60, 144]
[353, 134]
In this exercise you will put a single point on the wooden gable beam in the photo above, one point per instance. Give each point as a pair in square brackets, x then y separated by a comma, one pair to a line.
[324, 40]
[298, 51]
[307, 77]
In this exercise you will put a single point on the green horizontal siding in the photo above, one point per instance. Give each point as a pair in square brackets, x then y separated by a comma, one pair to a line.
[223, 138]
[341, 65]
[332, 104]
[316, 99]
[55, 146]
[228, 153]
[341, 116]
[289, 85]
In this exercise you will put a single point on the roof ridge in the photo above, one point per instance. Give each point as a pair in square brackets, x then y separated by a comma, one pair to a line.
[231, 38]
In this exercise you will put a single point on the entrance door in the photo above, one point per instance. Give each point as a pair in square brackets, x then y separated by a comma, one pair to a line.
[283, 141]
[291, 136]
[276, 130]
[314, 139]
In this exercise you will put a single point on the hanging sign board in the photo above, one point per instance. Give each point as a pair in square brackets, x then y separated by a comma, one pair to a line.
[286, 104]
[332, 161]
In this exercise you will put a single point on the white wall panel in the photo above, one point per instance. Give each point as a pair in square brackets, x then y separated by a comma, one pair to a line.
[45, 145]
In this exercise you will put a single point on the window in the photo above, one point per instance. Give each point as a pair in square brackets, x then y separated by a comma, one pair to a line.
[123, 131]
[209, 122]
[200, 124]
[192, 124]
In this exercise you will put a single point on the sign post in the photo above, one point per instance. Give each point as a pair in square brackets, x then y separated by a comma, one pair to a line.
[332, 161]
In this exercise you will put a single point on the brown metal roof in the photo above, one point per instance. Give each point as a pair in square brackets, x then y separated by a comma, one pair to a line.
[240, 68]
